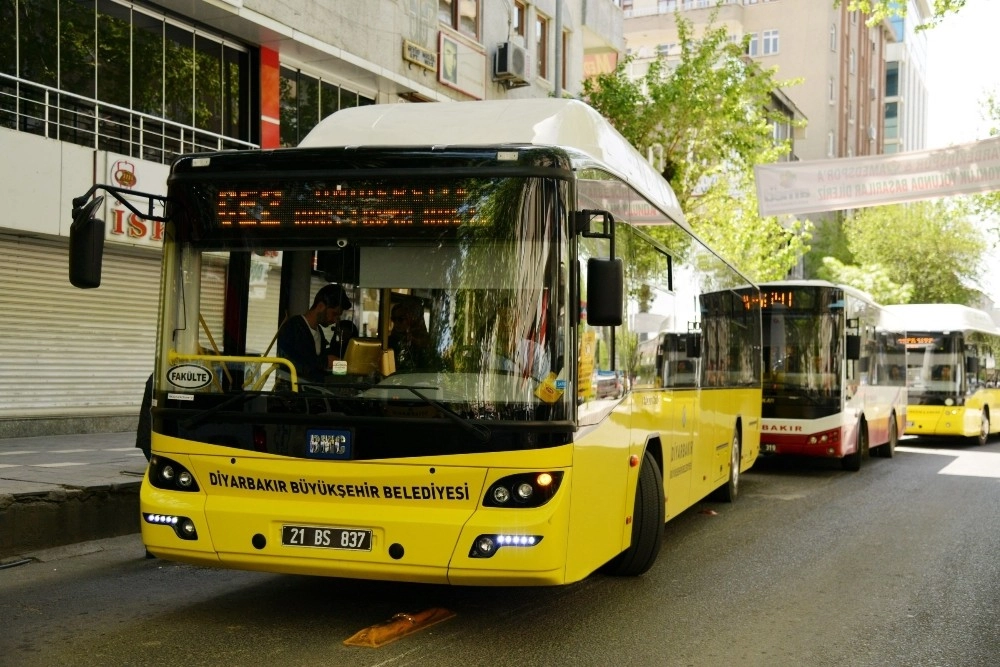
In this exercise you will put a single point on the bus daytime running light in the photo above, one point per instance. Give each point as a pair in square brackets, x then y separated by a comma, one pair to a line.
[182, 525]
[485, 546]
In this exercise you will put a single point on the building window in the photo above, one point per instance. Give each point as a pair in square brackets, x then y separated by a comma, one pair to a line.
[460, 15]
[769, 40]
[829, 144]
[116, 77]
[892, 79]
[891, 120]
[831, 90]
[664, 49]
[542, 46]
[752, 49]
[833, 38]
[520, 18]
[565, 56]
[852, 60]
[306, 100]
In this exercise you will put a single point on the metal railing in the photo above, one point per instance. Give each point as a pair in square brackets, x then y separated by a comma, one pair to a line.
[30, 107]
[670, 6]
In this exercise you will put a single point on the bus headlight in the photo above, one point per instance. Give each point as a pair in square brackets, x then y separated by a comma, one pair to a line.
[527, 489]
[170, 475]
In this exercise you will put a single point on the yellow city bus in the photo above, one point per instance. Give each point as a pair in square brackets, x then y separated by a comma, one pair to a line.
[514, 230]
[951, 371]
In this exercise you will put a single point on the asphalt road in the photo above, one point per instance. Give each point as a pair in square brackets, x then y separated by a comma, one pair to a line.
[894, 565]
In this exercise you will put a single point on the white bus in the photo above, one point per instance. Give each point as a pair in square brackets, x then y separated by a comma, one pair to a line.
[833, 373]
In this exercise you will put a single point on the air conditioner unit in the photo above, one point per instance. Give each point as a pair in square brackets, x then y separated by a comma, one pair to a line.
[510, 63]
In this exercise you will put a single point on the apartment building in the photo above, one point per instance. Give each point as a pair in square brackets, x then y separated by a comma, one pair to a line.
[110, 91]
[838, 58]
[906, 117]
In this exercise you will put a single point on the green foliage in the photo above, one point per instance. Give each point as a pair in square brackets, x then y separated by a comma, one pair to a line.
[879, 10]
[931, 245]
[874, 280]
[711, 113]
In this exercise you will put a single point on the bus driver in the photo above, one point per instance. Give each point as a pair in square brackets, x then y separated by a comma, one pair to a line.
[301, 339]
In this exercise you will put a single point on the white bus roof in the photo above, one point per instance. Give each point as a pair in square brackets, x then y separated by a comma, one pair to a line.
[931, 317]
[569, 124]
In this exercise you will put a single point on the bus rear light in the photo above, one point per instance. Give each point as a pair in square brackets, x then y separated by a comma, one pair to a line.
[529, 489]
[182, 525]
[485, 546]
[259, 439]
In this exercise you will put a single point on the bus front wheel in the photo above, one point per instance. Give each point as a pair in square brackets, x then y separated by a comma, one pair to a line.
[984, 428]
[728, 492]
[648, 518]
[852, 462]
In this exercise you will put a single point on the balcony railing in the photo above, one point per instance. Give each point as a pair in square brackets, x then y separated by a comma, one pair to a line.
[670, 6]
[49, 112]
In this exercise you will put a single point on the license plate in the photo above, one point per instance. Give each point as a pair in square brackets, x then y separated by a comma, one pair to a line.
[351, 539]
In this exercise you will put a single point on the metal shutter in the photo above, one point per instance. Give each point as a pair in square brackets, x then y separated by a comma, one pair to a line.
[66, 351]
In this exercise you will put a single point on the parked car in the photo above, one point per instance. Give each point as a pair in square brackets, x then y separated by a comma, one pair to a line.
[609, 384]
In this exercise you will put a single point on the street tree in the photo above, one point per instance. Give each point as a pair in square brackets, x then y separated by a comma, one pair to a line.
[931, 245]
[711, 114]
[872, 279]
[879, 10]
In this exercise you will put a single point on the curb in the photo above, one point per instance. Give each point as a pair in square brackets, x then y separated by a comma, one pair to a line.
[46, 519]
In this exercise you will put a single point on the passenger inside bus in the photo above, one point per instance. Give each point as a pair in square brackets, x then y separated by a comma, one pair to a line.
[410, 340]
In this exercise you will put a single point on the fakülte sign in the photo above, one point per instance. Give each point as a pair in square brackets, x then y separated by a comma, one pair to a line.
[189, 376]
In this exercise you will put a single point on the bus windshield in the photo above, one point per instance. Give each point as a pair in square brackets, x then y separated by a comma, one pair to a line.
[457, 289]
[802, 355]
[934, 365]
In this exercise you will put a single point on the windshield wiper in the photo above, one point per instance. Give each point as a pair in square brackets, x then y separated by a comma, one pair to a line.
[480, 432]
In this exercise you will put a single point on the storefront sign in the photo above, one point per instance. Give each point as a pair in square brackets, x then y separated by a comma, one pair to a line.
[418, 55]
[124, 226]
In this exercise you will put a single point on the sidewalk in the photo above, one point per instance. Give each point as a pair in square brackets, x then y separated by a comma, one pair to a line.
[57, 490]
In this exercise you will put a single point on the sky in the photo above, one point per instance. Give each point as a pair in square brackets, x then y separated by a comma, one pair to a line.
[961, 68]
[962, 54]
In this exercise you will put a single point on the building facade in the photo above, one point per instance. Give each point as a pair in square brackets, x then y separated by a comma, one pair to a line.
[905, 120]
[838, 61]
[110, 91]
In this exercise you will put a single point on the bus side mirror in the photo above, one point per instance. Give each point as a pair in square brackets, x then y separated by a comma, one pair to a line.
[605, 292]
[86, 246]
[693, 345]
[972, 365]
[853, 347]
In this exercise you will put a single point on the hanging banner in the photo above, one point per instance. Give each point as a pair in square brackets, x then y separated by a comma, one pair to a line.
[831, 185]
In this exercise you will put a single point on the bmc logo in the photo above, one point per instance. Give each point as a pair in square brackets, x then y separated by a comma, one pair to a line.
[781, 428]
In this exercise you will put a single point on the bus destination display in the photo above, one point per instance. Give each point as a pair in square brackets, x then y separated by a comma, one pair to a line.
[351, 207]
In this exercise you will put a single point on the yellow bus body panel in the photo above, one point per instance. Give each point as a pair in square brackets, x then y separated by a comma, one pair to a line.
[955, 420]
[430, 507]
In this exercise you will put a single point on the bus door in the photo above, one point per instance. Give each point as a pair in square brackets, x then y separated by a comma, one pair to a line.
[679, 374]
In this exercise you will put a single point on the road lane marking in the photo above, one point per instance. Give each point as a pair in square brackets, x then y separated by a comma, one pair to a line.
[55, 465]
[966, 463]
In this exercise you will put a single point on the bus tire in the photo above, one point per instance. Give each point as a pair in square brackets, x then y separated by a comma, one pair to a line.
[984, 428]
[888, 450]
[648, 518]
[852, 462]
[728, 492]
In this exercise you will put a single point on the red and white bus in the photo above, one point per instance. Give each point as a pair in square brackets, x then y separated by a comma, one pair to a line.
[834, 373]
